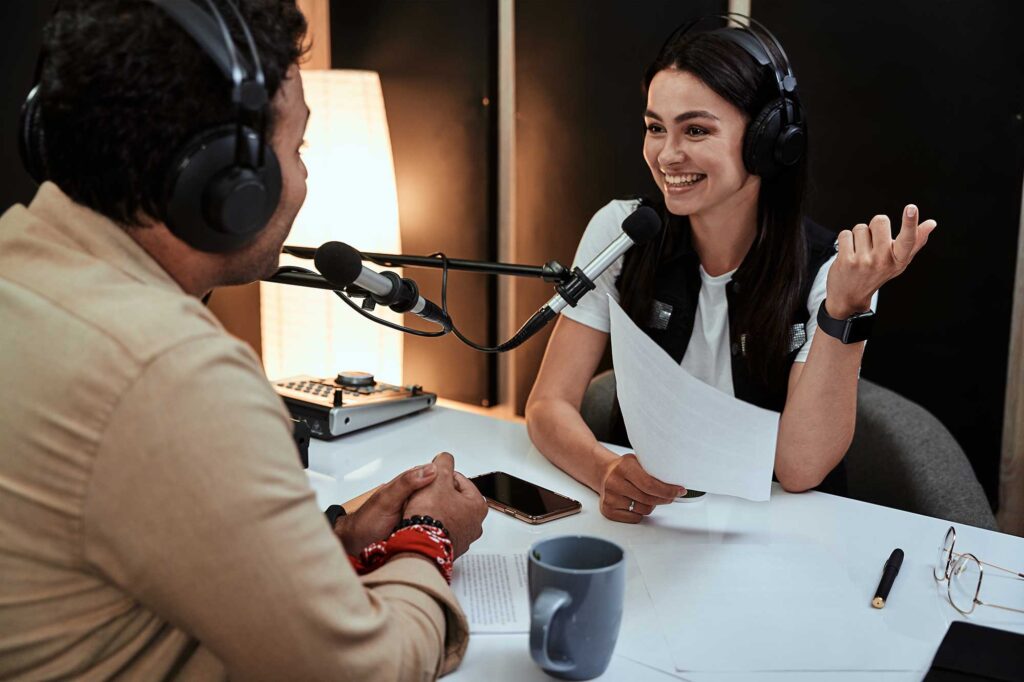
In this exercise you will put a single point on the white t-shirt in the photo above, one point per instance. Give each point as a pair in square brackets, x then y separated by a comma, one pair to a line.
[708, 354]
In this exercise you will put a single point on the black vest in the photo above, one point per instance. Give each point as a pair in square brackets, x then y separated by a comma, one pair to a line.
[669, 322]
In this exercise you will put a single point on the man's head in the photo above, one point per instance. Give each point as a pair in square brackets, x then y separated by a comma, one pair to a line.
[123, 88]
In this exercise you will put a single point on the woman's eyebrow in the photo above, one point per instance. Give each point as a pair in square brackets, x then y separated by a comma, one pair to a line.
[686, 116]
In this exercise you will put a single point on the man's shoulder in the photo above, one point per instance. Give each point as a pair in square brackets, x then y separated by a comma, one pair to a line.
[52, 287]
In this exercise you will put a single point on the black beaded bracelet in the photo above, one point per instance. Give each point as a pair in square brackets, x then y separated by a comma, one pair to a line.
[417, 520]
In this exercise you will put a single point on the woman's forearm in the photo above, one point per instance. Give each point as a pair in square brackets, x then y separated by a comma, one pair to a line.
[820, 414]
[561, 435]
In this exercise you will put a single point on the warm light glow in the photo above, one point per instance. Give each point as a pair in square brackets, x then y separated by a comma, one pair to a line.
[352, 198]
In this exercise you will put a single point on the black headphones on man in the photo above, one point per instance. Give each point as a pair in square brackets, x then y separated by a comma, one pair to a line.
[776, 137]
[225, 183]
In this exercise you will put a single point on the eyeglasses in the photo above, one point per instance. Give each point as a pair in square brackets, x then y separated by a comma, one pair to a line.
[963, 574]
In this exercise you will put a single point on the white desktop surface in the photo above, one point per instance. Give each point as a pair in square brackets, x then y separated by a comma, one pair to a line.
[855, 535]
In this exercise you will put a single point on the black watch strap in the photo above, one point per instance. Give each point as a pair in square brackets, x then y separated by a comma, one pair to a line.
[333, 513]
[853, 329]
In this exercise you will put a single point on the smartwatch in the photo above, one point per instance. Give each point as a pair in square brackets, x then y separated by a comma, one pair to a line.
[853, 329]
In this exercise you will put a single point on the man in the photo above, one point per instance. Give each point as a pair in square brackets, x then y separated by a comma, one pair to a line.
[154, 521]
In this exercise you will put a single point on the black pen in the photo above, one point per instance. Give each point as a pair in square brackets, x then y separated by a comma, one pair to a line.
[889, 573]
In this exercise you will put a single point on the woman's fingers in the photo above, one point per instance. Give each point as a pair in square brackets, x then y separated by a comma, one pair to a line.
[650, 485]
[845, 241]
[617, 508]
[630, 490]
[903, 245]
[881, 232]
[923, 231]
[862, 240]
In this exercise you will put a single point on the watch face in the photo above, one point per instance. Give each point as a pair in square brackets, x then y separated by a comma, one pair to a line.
[858, 327]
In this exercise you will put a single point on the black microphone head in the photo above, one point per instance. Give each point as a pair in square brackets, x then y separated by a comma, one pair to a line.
[641, 225]
[339, 263]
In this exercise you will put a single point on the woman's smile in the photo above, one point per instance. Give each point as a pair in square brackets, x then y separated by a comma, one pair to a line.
[678, 183]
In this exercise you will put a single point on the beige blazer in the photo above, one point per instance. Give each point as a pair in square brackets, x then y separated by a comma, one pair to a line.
[154, 519]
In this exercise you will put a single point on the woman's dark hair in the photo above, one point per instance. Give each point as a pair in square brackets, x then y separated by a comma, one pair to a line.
[773, 272]
[123, 88]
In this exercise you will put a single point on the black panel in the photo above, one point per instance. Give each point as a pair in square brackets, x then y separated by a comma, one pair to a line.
[21, 26]
[579, 71]
[922, 101]
[437, 63]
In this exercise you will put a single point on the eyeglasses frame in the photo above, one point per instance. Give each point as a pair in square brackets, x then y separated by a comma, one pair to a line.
[957, 566]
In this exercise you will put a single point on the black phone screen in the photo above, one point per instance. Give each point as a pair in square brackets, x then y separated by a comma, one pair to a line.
[528, 498]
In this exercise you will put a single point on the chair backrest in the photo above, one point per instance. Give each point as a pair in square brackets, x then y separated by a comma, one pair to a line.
[596, 408]
[901, 455]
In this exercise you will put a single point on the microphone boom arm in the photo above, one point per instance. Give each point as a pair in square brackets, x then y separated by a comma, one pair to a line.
[552, 271]
[640, 226]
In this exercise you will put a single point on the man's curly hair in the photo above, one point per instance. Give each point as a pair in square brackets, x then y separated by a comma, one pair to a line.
[123, 88]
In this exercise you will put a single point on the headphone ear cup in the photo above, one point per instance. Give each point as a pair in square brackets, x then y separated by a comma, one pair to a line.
[214, 204]
[768, 147]
[30, 139]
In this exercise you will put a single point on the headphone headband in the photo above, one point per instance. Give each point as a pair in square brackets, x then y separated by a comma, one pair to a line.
[751, 43]
[225, 183]
[211, 33]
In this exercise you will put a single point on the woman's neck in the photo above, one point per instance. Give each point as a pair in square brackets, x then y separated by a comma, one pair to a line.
[722, 235]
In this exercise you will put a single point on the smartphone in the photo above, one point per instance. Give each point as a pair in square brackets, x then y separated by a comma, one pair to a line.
[524, 500]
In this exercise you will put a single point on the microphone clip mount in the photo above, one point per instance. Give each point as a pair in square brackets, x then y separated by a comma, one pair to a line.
[574, 289]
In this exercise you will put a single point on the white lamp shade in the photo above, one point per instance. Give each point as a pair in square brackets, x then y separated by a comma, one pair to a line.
[351, 198]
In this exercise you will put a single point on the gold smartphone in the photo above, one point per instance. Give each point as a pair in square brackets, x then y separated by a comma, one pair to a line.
[523, 500]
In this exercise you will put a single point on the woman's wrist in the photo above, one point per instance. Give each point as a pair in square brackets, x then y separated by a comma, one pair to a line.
[841, 309]
[602, 460]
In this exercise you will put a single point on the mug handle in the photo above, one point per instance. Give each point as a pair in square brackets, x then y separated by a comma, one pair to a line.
[544, 609]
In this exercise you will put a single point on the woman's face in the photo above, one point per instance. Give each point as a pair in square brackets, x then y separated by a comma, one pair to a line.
[694, 145]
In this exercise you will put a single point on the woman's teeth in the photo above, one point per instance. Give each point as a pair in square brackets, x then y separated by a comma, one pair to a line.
[684, 179]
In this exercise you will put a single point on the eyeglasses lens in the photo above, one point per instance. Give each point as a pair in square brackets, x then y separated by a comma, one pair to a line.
[941, 568]
[964, 581]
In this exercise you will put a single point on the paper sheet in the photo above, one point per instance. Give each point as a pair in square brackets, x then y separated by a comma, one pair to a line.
[789, 607]
[492, 589]
[684, 431]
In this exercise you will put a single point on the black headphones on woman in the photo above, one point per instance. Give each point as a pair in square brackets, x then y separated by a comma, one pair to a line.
[776, 137]
[225, 183]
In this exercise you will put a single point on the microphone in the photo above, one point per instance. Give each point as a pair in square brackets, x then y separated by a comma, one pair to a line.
[342, 266]
[640, 226]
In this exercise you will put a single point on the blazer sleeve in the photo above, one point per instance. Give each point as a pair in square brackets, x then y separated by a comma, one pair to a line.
[199, 509]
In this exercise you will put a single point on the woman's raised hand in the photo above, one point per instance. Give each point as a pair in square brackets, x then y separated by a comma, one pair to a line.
[869, 257]
[628, 493]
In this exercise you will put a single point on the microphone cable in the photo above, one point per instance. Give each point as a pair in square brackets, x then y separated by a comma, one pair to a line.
[514, 342]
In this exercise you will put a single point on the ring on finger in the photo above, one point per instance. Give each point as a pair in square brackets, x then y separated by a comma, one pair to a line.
[632, 504]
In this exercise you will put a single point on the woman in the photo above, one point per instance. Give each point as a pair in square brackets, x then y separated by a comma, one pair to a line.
[734, 285]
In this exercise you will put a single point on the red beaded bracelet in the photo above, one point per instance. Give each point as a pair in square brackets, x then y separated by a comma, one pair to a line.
[421, 539]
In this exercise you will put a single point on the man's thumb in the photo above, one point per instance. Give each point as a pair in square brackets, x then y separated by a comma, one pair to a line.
[409, 482]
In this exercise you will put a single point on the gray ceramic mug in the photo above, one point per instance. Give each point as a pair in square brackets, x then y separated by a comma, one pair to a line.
[577, 584]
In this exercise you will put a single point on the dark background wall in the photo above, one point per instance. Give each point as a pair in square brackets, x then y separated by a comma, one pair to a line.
[21, 25]
[437, 64]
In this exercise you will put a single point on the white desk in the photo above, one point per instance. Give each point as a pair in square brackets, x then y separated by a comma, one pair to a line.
[857, 536]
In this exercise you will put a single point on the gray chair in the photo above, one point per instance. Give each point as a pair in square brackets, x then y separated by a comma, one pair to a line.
[901, 455]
